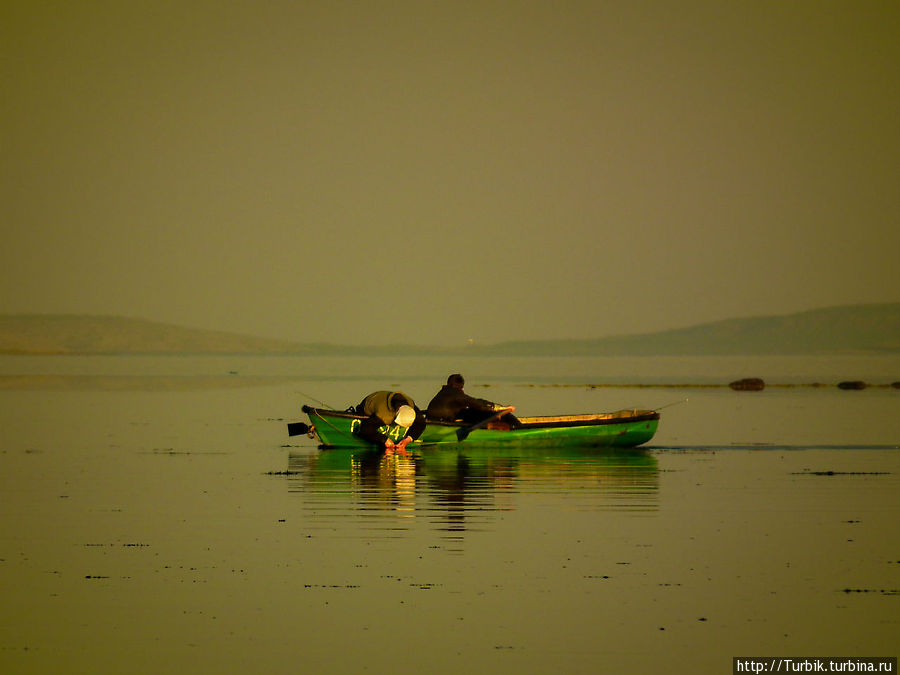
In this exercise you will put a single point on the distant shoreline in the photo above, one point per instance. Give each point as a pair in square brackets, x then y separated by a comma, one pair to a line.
[375, 353]
[853, 330]
[57, 382]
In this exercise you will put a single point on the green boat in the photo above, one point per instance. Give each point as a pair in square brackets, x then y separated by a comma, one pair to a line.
[622, 429]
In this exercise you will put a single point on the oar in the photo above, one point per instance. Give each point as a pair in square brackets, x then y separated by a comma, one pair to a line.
[462, 434]
[297, 428]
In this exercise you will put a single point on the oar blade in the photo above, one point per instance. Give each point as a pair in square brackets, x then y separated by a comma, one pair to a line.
[297, 428]
[463, 434]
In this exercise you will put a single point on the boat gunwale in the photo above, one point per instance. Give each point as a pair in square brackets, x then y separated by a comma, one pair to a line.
[539, 422]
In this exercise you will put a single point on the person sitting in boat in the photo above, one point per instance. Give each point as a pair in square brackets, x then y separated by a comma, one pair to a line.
[384, 408]
[451, 404]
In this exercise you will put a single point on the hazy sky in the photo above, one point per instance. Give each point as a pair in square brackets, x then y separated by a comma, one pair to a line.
[432, 172]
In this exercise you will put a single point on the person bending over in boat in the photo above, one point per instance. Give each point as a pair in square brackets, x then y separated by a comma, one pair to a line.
[451, 403]
[383, 408]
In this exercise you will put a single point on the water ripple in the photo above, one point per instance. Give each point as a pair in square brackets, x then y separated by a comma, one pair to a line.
[458, 491]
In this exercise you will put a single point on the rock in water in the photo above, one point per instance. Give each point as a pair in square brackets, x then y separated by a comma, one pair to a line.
[748, 384]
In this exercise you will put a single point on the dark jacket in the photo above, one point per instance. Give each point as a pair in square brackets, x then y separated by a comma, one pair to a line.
[451, 403]
[380, 409]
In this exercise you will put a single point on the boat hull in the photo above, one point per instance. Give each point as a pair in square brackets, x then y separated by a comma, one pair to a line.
[623, 429]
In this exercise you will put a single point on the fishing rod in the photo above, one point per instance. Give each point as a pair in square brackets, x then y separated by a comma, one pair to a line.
[669, 405]
[314, 400]
[299, 428]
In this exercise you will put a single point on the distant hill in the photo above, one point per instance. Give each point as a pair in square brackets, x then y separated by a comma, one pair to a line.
[854, 329]
[74, 334]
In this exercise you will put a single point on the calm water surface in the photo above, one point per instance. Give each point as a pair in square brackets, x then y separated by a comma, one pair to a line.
[155, 516]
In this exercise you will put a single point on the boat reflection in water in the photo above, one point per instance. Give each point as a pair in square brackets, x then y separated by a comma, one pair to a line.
[460, 489]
